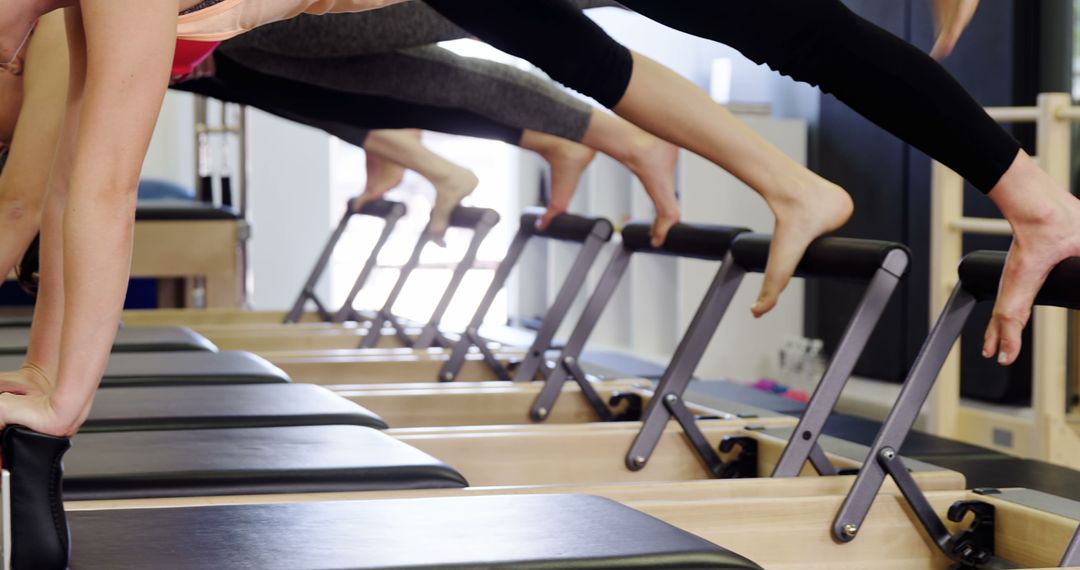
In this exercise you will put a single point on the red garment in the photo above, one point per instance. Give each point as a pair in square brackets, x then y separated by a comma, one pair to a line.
[189, 55]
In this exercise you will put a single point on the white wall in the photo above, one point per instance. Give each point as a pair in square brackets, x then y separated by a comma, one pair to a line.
[289, 192]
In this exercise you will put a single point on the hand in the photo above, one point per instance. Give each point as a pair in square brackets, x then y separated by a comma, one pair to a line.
[37, 412]
[951, 17]
[28, 380]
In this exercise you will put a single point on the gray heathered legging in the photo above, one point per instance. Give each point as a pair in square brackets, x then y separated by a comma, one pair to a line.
[436, 77]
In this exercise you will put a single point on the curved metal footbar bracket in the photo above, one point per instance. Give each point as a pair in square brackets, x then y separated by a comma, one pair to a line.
[390, 213]
[591, 234]
[880, 264]
[478, 220]
[708, 242]
[980, 272]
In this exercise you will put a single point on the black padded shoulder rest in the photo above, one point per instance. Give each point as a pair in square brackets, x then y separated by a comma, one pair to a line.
[980, 272]
[39, 532]
[472, 218]
[567, 227]
[847, 258]
[382, 209]
[700, 241]
[182, 210]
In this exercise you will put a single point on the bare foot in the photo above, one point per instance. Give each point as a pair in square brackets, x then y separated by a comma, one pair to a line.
[653, 161]
[382, 176]
[1046, 230]
[568, 160]
[810, 210]
[450, 190]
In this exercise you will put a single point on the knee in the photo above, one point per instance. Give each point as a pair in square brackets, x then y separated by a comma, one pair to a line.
[19, 209]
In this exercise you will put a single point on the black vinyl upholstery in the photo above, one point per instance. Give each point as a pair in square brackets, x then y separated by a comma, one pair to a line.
[521, 532]
[247, 461]
[14, 340]
[224, 406]
[182, 210]
[189, 368]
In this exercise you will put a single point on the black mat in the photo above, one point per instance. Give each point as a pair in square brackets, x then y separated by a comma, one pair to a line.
[209, 407]
[247, 461]
[527, 532]
[182, 210]
[14, 340]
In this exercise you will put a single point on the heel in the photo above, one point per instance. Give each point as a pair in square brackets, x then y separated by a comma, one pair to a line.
[39, 531]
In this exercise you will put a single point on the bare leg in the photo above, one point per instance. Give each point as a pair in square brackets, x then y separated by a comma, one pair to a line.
[1046, 230]
[568, 161]
[806, 205]
[17, 19]
[383, 175]
[652, 160]
[452, 182]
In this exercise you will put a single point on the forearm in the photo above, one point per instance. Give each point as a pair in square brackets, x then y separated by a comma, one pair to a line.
[129, 47]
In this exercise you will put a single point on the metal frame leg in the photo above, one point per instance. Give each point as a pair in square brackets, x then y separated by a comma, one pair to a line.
[860, 327]
[533, 363]
[1072, 552]
[904, 413]
[308, 291]
[686, 359]
[452, 367]
[371, 340]
[431, 335]
[594, 309]
[346, 312]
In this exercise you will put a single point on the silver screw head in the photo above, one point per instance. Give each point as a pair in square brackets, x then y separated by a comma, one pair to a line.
[639, 461]
[542, 412]
[447, 376]
[569, 360]
[850, 530]
[671, 398]
[888, 453]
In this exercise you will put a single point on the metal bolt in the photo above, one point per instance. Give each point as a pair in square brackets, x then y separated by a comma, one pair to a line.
[447, 376]
[850, 530]
[569, 360]
[671, 398]
[888, 454]
[542, 413]
[639, 461]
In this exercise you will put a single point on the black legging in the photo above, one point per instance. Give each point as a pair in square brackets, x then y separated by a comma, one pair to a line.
[821, 42]
[347, 116]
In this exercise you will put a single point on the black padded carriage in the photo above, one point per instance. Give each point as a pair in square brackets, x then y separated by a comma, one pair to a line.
[182, 211]
[210, 407]
[309, 459]
[495, 532]
[189, 368]
[14, 340]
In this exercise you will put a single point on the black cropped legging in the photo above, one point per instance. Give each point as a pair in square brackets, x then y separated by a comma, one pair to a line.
[820, 42]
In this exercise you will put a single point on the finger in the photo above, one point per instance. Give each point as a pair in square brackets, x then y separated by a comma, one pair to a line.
[545, 220]
[991, 338]
[1010, 331]
[659, 231]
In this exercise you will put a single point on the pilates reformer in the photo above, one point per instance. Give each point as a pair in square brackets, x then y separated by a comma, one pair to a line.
[471, 356]
[15, 340]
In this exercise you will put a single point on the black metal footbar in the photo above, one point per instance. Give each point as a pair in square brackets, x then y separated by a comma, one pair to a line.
[480, 221]
[879, 264]
[980, 273]
[706, 242]
[591, 234]
[390, 213]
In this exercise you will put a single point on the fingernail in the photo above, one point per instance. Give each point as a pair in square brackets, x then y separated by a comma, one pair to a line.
[1003, 358]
